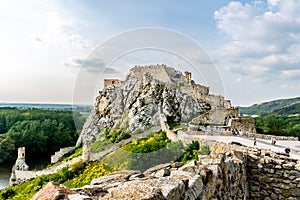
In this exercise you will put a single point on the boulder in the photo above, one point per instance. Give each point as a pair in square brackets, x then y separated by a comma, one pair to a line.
[52, 191]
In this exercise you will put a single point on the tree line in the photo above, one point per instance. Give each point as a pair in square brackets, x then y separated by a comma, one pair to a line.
[41, 132]
[275, 124]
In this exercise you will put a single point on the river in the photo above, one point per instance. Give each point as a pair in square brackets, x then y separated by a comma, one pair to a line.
[5, 170]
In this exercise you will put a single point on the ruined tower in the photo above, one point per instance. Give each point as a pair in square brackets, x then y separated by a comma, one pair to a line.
[20, 162]
[18, 167]
[188, 77]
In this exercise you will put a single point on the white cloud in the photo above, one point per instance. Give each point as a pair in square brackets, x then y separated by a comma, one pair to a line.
[291, 73]
[90, 64]
[264, 38]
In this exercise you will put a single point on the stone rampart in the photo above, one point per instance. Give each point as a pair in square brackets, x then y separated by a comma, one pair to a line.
[60, 154]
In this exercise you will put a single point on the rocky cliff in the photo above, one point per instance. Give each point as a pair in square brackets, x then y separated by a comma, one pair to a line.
[137, 102]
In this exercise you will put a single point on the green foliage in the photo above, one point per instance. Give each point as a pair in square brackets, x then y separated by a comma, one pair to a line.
[7, 148]
[289, 110]
[204, 150]
[145, 145]
[142, 154]
[77, 175]
[191, 152]
[8, 194]
[42, 132]
[274, 124]
[117, 134]
[77, 152]
[90, 171]
[172, 122]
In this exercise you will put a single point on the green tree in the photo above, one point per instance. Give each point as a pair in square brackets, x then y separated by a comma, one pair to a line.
[7, 148]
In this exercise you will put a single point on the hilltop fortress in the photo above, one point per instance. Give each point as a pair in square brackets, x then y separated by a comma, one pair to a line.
[179, 89]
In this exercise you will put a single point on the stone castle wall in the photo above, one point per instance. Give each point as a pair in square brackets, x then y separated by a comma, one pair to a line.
[216, 101]
[59, 155]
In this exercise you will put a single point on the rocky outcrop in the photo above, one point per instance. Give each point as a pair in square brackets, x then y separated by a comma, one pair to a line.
[219, 176]
[137, 102]
[53, 191]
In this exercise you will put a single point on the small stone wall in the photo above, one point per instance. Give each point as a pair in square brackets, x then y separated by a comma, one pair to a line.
[268, 137]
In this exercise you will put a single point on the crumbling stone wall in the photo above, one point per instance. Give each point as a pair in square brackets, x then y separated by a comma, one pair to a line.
[219, 116]
[59, 155]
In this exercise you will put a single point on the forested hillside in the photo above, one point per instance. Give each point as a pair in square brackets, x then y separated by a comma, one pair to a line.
[278, 117]
[42, 132]
[281, 106]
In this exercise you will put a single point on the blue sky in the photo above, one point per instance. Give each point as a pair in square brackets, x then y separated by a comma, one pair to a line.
[254, 44]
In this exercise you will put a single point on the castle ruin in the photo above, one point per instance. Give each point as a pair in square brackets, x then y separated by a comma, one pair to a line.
[19, 166]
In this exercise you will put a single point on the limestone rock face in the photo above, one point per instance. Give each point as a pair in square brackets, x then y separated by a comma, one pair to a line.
[137, 102]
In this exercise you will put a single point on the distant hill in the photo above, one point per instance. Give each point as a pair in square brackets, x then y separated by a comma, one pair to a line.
[78, 108]
[282, 106]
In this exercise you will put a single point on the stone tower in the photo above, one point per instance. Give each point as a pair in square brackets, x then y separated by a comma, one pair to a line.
[19, 166]
[20, 162]
[21, 153]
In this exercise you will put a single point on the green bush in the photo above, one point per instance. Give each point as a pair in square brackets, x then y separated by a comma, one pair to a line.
[8, 193]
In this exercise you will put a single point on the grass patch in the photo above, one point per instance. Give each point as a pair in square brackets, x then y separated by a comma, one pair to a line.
[99, 145]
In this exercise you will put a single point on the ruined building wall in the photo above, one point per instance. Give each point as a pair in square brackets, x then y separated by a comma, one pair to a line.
[219, 116]
[244, 124]
[216, 101]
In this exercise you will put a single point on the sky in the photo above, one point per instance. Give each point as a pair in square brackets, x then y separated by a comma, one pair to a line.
[254, 44]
